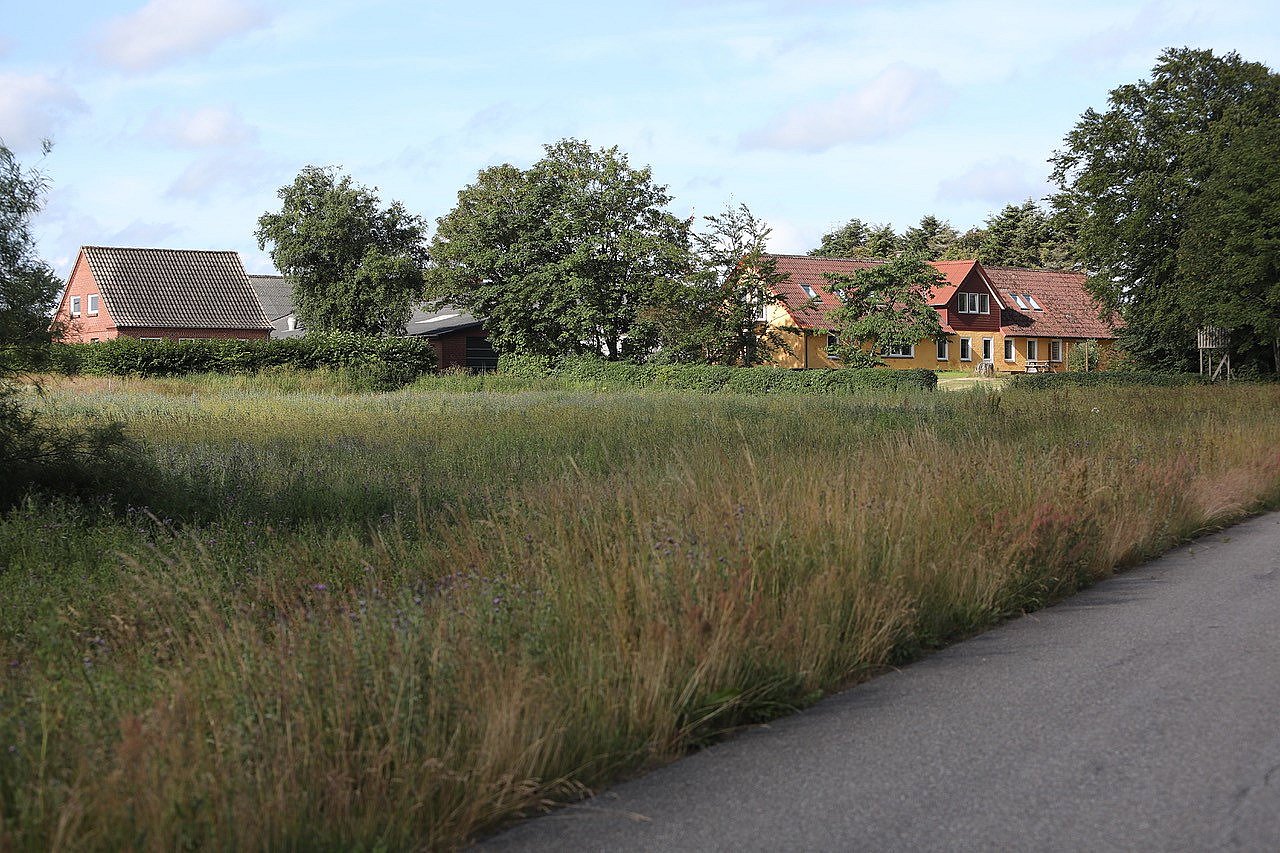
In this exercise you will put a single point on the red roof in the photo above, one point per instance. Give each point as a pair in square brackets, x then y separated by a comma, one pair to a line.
[804, 270]
[1067, 309]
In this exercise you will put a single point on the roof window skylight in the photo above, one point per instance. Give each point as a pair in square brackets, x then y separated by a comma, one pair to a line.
[1032, 300]
[1018, 299]
[809, 291]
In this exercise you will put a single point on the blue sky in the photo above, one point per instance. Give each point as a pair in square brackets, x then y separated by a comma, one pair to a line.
[175, 121]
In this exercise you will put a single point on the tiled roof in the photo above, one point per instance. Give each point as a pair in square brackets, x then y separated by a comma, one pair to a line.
[275, 295]
[955, 272]
[803, 269]
[175, 288]
[1068, 310]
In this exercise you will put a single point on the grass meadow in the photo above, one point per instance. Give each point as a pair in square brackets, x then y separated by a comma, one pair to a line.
[308, 619]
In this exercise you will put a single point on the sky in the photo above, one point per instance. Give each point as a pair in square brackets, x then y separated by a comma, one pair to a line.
[175, 122]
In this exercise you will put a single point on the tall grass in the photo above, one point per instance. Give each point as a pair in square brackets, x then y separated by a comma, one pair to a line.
[464, 605]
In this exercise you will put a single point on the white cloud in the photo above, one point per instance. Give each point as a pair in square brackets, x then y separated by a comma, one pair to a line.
[894, 101]
[241, 171]
[167, 30]
[33, 107]
[1003, 180]
[207, 127]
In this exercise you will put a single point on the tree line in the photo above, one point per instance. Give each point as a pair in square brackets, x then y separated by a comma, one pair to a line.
[1169, 199]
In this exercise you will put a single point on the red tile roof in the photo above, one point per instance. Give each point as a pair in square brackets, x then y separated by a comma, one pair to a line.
[1069, 311]
[801, 270]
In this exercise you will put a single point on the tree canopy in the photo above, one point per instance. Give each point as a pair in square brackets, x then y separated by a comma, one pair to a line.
[28, 286]
[858, 239]
[882, 307]
[356, 266]
[1172, 189]
[562, 257]
[713, 314]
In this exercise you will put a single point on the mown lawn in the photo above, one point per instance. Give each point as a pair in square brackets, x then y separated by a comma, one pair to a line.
[317, 620]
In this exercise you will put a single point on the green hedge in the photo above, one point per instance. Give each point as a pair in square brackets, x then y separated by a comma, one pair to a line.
[1104, 378]
[712, 378]
[373, 362]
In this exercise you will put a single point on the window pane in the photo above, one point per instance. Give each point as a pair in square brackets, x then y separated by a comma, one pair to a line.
[966, 351]
[1008, 349]
[942, 350]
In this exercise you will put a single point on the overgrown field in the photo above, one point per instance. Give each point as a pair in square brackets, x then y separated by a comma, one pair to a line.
[315, 620]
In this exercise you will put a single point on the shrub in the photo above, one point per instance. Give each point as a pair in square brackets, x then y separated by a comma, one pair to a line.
[708, 378]
[369, 363]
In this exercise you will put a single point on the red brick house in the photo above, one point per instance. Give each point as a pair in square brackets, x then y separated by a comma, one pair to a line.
[1013, 320]
[155, 294]
[458, 338]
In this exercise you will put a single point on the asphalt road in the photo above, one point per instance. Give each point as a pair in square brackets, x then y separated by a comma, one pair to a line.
[1142, 714]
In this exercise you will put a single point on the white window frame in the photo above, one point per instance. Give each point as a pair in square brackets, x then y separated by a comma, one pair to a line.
[989, 349]
[974, 303]
[910, 352]
[75, 306]
[152, 340]
[809, 291]
[1034, 305]
[1018, 299]
[1055, 350]
[832, 342]
[91, 308]
[966, 349]
[1033, 349]
[944, 349]
[1010, 349]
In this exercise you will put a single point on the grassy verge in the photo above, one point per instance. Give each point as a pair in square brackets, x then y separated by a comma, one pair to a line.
[394, 621]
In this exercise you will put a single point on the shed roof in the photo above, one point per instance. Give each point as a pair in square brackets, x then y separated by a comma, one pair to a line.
[275, 295]
[175, 288]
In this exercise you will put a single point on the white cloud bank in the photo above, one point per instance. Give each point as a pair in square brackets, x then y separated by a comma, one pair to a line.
[34, 107]
[165, 31]
[892, 102]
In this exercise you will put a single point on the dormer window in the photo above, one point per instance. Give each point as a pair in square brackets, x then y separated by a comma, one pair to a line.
[93, 304]
[974, 303]
[75, 306]
[1018, 299]
[1032, 300]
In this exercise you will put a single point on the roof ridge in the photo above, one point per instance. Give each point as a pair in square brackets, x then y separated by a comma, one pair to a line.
[160, 249]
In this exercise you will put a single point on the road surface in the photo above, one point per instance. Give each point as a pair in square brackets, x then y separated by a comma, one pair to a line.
[1141, 714]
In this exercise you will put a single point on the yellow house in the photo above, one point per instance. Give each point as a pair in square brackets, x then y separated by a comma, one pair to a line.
[1013, 320]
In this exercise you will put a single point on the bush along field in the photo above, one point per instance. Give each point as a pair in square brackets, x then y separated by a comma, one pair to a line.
[395, 621]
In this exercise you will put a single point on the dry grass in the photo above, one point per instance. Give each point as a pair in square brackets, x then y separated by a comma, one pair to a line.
[607, 581]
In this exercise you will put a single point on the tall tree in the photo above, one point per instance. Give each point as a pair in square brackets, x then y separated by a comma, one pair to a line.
[28, 286]
[885, 306]
[858, 239]
[716, 314]
[1024, 235]
[1133, 178]
[932, 237]
[356, 266]
[562, 257]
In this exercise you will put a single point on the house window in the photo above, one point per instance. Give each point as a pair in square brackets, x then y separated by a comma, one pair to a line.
[1033, 349]
[975, 303]
[988, 349]
[151, 340]
[1055, 350]
[832, 343]
[1010, 350]
[944, 346]
[809, 291]
[966, 349]
[1018, 299]
[900, 352]
[1035, 305]
[93, 305]
[75, 306]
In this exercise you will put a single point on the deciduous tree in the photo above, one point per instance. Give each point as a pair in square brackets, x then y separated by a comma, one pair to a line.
[356, 266]
[885, 306]
[562, 257]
